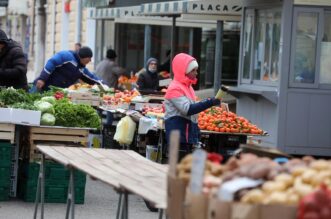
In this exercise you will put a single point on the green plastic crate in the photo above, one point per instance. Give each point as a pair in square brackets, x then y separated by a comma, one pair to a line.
[4, 176]
[5, 155]
[54, 173]
[53, 194]
[4, 193]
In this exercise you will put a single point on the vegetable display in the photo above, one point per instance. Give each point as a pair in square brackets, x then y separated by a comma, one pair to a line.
[219, 120]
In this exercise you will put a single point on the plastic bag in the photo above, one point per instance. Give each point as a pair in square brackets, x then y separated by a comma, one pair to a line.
[125, 130]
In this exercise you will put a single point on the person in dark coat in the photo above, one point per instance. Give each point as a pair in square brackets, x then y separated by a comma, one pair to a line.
[65, 68]
[13, 63]
[148, 79]
[109, 70]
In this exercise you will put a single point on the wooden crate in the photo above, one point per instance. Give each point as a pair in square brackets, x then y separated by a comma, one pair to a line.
[7, 132]
[56, 135]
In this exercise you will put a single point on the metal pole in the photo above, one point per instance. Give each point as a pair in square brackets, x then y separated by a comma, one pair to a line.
[79, 21]
[160, 213]
[119, 206]
[148, 39]
[218, 56]
[173, 41]
[42, 185]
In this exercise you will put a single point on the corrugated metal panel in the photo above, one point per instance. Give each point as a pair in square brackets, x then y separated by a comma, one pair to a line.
[313, 2]
[97, 3]
[112, 13]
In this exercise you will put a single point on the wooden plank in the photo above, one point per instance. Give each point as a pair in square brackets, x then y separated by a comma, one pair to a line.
[112, 154]
[49, 151]
[7, 136]
[58, 138]
[94, 153]
[61, 131]
[7, 127]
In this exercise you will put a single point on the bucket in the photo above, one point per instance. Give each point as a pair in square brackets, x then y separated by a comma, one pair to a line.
[151, 152]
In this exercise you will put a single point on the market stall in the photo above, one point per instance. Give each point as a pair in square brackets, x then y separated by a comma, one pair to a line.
[283, 81]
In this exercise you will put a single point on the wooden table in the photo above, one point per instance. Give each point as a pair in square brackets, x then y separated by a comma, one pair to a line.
[125, 170]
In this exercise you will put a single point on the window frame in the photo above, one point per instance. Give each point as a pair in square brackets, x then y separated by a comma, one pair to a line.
[320, 28]
[250, 80]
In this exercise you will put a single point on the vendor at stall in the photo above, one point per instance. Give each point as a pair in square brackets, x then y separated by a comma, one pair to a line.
[148, 78]
[65, 68]
[181, 109]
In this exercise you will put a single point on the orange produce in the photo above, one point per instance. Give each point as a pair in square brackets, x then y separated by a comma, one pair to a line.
[218, 120]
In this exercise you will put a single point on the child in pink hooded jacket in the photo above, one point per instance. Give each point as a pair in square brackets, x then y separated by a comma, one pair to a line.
[181, 109]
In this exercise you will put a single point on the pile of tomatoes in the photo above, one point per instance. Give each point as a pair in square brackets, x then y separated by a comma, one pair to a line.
[218, 120]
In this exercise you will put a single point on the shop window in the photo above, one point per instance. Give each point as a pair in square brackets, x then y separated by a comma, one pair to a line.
[261, 46]
[304, 51]
[325, 60]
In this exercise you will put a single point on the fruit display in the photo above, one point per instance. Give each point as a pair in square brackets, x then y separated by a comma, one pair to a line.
[219, 120]
[79, 86]
[154, 111]
[119, 97]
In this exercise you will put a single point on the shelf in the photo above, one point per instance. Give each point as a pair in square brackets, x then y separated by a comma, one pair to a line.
[271, 94]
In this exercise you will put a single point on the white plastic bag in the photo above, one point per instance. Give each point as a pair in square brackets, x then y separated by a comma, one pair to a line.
[125, 131]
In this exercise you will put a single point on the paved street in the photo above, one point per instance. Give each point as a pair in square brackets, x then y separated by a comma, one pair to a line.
[100, 202]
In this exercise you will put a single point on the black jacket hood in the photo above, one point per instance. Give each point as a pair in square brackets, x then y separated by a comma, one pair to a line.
[3, 37]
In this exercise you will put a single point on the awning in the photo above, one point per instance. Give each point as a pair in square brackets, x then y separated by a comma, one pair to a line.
[112, 13]
[223, 8]
[97, 3]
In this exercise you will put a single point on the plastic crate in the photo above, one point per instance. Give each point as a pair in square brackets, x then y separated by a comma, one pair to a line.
[4, 193]
[5, 155]
[53, 193]
[4, 177]
[54, 173]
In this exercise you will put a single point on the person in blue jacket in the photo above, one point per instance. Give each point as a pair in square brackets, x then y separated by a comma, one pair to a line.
[65, 68]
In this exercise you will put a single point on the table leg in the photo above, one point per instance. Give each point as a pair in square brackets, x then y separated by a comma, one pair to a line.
[125, 206]
[40, 189]
[71, 196]
[119, 206]
[160, 213]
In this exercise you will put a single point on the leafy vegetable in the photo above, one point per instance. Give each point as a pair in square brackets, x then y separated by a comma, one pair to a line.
[75, 115]
[49, 99]
[44, 107]
[27, 106]
[47, 119]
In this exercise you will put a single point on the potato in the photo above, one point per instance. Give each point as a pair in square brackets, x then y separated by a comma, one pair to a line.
[247, 158]
[272, 186]
[320, 165]
[308, 176]
[292, 199]
[302, 189]
[187, 159]
[276, 198]
[320, 177]
[232, 164]
[287, 179]
[308, 159]
[298, 170]
[254, 196]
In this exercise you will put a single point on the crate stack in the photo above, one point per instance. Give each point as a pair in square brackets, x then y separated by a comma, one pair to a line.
[5, 170]
[56, 183]
[56, 175]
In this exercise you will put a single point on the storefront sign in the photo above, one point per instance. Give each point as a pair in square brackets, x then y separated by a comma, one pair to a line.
[106, 13]
[215, 7]
[313, 2]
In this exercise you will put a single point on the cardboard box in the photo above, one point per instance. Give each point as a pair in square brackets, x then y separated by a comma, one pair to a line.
[218, 209]
[84, 95]
[25, 117]
[176, 197]
[195, 206]
[5, 115]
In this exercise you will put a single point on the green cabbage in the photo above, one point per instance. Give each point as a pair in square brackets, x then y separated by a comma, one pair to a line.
[49, 99]
[47, 119]
[44, 107]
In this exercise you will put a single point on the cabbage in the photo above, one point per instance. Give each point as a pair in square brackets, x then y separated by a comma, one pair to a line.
[47, 119]
[49, 99]
[44, 107]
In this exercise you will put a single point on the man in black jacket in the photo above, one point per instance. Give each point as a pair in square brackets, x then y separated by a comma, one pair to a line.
[13, 63]
[148, 79]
